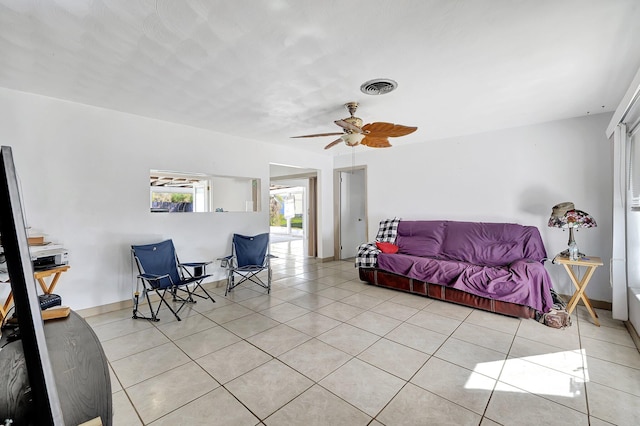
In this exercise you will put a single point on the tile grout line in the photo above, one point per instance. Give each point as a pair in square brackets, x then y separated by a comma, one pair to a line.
[497, 380]
[378, 339]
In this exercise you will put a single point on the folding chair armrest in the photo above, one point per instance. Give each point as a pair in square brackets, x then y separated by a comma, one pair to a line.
[199, 268]
[195, 264]
[152, 277]
[225, 261]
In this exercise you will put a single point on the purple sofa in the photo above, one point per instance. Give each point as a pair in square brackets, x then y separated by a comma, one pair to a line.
[492, 266]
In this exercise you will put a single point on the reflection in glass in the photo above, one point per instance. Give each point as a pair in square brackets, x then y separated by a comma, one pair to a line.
[196, 192]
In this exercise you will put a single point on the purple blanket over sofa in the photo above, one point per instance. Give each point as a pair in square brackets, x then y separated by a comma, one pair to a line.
[500, 261]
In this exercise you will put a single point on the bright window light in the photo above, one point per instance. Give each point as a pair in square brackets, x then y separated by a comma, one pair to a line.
[561, 374]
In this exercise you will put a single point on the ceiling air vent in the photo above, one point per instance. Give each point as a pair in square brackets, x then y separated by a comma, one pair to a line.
[379, 86]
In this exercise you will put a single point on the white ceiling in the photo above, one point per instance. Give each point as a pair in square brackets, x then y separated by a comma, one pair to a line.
[270, 69]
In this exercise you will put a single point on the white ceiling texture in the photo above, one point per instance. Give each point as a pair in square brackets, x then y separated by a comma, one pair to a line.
[271, 69]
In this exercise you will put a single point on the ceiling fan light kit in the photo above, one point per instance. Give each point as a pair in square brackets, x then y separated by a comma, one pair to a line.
[374, 135]
[352, 139]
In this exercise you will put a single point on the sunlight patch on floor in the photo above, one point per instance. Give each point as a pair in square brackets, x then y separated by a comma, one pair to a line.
[561, 374]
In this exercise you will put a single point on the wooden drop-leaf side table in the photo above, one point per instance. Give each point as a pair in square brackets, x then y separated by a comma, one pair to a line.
[591, 263]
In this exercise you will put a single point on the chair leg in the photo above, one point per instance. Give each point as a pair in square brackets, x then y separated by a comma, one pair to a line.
[192, 293]
[136, 300]
[205, 292]
[176, 297]
[162, 300]
[230, 282]
[251, 276]
[153, 315]
[189, 298]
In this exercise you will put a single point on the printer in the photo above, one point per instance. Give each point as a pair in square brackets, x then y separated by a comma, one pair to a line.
[49, 256]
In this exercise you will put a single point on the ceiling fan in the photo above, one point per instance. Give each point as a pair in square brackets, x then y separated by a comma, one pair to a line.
[374, 135]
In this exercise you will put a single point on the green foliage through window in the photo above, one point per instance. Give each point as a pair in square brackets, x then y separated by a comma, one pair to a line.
[275, 207]
[168, 197]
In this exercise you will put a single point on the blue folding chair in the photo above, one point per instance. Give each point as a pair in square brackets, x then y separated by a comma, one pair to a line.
[160, 271]
[249, 257]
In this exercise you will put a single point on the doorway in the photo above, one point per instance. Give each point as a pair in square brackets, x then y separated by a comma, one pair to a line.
[350, 210]
[287, 221]
[293, 211]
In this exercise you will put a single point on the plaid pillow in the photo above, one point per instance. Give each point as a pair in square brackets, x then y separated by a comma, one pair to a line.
[388, 230]
[367, 256]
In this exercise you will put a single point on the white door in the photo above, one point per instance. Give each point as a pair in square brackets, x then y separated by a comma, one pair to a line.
[353, 197]
[201, 196]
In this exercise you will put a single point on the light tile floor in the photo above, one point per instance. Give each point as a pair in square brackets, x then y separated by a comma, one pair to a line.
[327, 349]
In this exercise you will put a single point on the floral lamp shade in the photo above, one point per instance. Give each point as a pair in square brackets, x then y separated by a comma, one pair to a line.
[566, 216]
[573, 219]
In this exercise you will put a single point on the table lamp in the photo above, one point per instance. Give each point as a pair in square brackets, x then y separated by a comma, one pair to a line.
[565, 215]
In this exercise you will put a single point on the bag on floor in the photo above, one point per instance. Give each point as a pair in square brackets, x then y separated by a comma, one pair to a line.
[556, 318]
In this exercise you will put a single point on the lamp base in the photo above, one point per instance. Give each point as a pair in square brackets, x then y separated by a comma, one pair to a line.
[565, 253]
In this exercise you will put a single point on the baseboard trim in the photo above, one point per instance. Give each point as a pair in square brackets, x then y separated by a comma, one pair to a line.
[128, 304]
[634, 334]
[597, 304]
[103, 309]
[607, 306]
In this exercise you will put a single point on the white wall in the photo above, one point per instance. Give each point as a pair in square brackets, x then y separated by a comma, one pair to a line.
[514, 175]
[84, 173]
[232, 194]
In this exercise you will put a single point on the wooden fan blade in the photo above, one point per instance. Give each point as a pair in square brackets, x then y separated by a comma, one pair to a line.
[318, 134]
[334, 143]
[375, 142]
[387, 130]
[348, 126]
